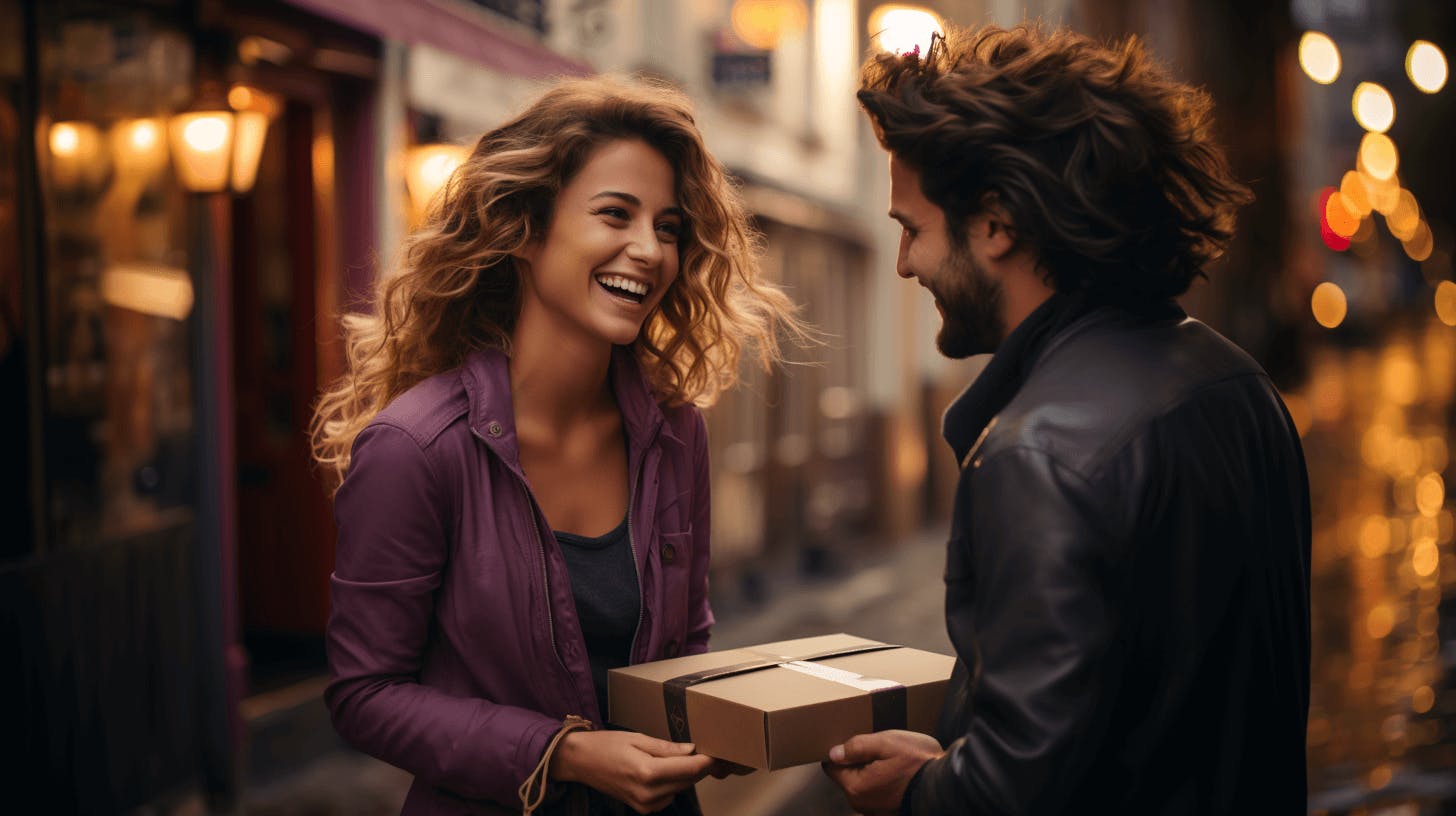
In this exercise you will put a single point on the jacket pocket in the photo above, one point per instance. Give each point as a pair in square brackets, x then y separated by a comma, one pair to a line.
[675, 549]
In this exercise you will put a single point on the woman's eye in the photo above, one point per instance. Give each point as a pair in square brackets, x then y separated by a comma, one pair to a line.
[670, 229]
[613, 212]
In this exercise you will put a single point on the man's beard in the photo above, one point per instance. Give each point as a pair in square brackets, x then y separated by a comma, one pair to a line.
[970, 306]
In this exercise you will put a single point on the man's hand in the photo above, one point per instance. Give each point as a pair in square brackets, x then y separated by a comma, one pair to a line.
[643, 772]
[873, 770]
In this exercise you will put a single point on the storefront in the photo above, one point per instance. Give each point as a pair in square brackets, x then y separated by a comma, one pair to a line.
[162, 336]
[191, 192]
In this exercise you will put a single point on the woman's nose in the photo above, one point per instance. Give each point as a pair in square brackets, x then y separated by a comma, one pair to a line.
[644, 247]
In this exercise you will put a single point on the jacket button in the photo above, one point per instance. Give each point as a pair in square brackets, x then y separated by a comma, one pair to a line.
[670, 650]
[494, 428]
[669, 552]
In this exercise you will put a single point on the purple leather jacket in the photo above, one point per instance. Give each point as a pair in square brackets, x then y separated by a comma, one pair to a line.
[454, 647]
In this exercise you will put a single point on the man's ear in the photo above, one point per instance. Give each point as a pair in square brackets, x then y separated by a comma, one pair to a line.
[995, 228]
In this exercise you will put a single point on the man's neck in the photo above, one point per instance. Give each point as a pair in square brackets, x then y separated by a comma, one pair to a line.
[1024, 287]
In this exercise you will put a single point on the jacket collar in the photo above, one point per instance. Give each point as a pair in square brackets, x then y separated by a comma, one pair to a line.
[970, 418]
[486, 377]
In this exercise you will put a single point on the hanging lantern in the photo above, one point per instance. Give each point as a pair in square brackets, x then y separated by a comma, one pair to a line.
[215, 147]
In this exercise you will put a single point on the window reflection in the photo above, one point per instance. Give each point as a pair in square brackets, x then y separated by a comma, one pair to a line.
[117, 296]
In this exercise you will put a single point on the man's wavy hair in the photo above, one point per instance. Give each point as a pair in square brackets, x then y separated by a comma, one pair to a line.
[459, 290]
[1105, 164]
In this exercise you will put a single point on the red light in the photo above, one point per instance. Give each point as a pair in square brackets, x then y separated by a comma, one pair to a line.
[1332, 240]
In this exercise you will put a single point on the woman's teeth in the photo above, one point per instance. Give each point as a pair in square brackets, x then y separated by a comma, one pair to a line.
[623, 287]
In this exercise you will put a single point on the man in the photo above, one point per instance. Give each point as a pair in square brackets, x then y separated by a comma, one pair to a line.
[1128, 568]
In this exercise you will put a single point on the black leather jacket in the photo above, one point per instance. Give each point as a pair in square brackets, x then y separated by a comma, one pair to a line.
[1127, 586]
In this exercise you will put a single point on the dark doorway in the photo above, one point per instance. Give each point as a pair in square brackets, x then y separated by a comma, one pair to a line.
[282, 239]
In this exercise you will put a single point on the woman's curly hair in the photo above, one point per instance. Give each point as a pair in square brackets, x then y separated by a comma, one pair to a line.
[458, 290]
[1105, 163]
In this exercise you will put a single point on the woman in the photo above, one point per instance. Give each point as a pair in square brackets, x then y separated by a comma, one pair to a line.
[524, 498]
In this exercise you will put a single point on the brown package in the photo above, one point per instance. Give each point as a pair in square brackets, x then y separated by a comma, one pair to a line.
[781, 704]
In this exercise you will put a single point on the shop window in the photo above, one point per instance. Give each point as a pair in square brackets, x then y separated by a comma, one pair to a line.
[15, 408]
[116, 301]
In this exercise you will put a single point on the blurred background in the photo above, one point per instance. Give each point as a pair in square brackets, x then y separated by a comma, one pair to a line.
[191, 191]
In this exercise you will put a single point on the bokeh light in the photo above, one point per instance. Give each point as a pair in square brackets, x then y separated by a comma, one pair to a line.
[1422, 699]
[1319, 57]
[1384, 193]
[900, 28]
[1328, 305]
[762, 23]
[1380, 621]
[1378, 157]
[1343, 219]
[65, 139]
[1430, 495]
[1374, 537]
[1404, 219]
[145, 134]
[1446, 302]
[1352, 189]
[1420, 245]
[1373, 106]
[1332, 239]
[1425, 64]
[1425, 557]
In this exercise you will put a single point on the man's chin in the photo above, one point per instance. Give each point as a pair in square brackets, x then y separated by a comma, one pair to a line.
[958, 345]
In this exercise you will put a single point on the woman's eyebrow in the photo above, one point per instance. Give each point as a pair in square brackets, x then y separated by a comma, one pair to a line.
[636, 202]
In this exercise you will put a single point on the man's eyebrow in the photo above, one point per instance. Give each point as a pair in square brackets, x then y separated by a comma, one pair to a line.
[901, 217]
[636, 202]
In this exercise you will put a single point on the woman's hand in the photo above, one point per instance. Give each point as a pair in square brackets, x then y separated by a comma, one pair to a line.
[638, 770]
[722, 769]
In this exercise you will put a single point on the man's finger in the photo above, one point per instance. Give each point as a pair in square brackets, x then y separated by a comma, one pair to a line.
[857, 750]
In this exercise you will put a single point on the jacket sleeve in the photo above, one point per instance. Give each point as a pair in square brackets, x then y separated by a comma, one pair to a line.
[394, 528]
[701, 623]
[1035, 561]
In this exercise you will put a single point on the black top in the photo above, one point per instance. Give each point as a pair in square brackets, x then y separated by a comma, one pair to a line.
[1127, 577]
[608, 602]
[608, 605]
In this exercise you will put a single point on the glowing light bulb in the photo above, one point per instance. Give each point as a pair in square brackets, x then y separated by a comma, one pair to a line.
[65, 139]
[144, 135]
[206, 133]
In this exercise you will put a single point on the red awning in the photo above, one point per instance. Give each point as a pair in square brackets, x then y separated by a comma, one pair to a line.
[422, 22]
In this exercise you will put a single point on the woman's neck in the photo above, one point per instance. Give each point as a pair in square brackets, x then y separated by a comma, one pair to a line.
[558, 379]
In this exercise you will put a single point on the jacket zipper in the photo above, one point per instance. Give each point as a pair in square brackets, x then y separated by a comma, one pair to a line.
[632, 546]
[541, 548]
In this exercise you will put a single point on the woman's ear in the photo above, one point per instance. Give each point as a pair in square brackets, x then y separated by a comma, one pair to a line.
[523, 258]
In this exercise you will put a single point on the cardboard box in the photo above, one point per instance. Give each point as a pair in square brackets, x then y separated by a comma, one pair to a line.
[781, 704]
